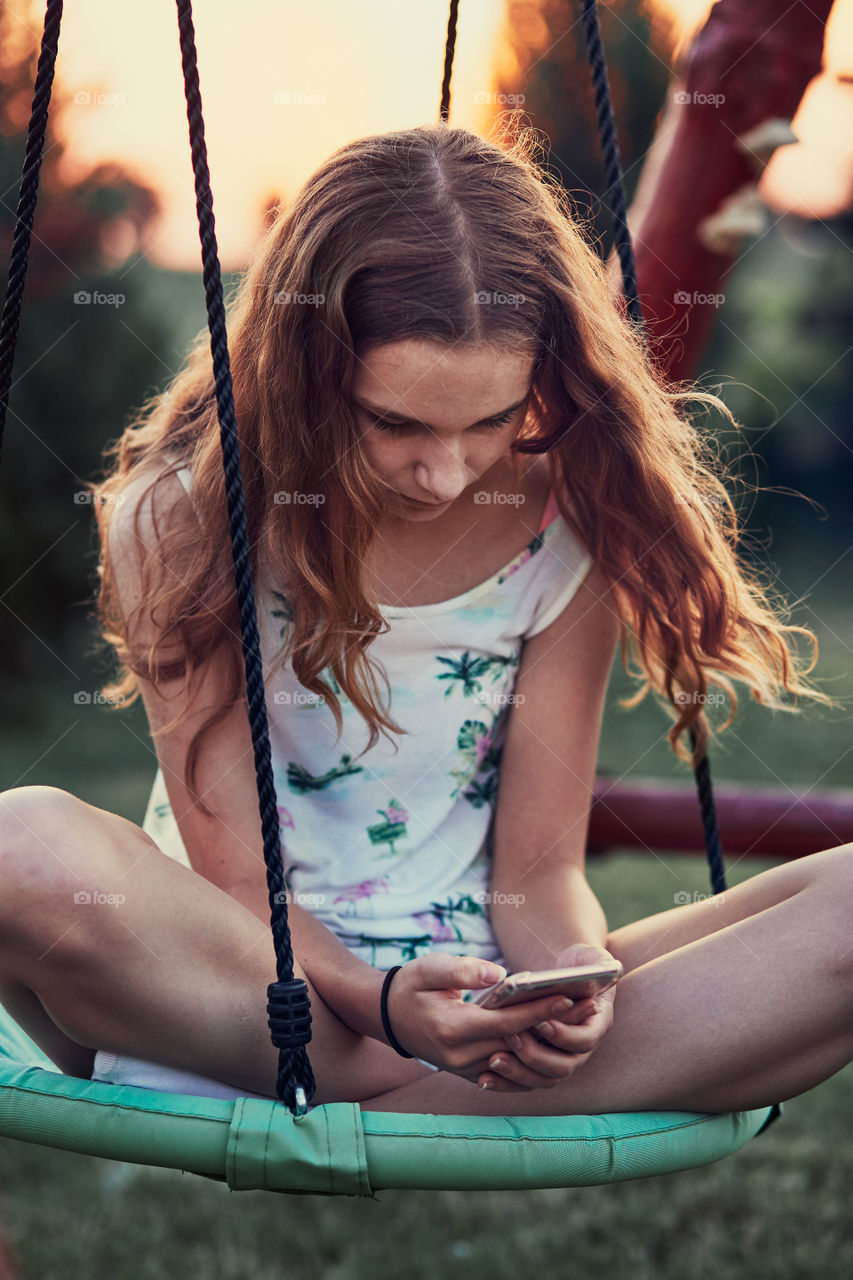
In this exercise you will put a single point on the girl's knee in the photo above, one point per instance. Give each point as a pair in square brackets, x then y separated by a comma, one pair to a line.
[46, 846]
[834, 876]
[30, 817]
[834, 868]
[28, 813]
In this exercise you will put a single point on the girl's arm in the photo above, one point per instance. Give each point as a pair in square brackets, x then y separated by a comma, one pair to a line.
[543, 911]
[540, 899]
[559, 908]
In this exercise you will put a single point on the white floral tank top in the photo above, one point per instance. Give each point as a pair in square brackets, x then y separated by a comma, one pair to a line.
[392, 852]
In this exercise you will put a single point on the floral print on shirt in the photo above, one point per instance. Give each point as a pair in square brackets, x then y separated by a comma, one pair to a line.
[470, 672]
[393, 828]
[530, 550]
[300, 780]
[358, 892]
[439, 926]
[478, 767]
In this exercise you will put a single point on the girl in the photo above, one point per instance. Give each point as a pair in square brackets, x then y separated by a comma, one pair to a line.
[465, 484]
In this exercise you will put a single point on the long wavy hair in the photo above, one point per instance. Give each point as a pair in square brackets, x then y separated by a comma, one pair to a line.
[408, 235]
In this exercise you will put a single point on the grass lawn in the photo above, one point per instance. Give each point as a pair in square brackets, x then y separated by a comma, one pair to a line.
[778, 1208]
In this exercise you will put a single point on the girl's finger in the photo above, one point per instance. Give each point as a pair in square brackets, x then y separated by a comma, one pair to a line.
[565, 1038]
[497, 1084]
[486, 1048]
[579, 1013]
[508, 1067]
[553, 1059]
[518, 1017]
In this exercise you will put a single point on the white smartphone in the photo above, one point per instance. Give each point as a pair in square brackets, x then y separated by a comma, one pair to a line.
[576, 982]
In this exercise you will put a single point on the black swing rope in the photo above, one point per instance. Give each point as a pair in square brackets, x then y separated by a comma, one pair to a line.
[288, 1006]
[449, 50]
[616, 191]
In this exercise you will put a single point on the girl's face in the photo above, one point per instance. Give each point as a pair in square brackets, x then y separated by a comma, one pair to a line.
[435, 418]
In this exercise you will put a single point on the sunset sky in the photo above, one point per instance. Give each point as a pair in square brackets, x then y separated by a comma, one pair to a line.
[348, 70]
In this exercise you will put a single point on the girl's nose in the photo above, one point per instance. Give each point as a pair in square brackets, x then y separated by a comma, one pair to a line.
[443, 475]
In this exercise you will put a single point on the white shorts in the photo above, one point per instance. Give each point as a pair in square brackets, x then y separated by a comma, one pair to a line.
[116, 1068]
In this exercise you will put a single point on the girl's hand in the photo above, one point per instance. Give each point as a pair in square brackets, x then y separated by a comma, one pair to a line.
[542, 1058]
[430, 1019]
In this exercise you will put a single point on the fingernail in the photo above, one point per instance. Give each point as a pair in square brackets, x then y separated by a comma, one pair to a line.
[545, 1027]
[487, 1084]
[562, 1005]
[514, 1042]
[495, 1064]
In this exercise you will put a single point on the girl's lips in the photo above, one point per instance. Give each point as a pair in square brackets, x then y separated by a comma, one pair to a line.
[417, 502]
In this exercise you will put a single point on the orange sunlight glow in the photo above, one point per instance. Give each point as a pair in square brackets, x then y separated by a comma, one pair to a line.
[284, 85]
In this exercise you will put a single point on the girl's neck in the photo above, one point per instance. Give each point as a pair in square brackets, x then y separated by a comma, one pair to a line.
[414, 563]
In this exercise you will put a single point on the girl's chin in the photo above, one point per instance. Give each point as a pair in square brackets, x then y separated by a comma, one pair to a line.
[410, 506]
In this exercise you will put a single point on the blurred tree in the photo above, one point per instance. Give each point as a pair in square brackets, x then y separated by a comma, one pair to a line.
[80, 368]
[546, 62]
[83, 223]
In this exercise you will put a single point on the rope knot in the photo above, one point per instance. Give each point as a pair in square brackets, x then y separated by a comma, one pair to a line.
[288, 1013]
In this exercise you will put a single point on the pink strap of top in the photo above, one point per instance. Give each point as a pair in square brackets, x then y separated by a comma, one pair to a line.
[551, 511]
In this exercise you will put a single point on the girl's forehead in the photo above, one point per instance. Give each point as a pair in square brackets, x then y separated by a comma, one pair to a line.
[414, 368]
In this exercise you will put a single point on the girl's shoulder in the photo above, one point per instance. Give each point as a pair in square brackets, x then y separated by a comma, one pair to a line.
[151, 495]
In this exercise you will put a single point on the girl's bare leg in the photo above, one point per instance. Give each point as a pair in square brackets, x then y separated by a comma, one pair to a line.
[644, 940]
[752, 1006]
[737, 1015]
[172, 970]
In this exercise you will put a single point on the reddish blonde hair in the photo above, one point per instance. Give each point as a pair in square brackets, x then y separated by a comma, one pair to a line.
[399, 233]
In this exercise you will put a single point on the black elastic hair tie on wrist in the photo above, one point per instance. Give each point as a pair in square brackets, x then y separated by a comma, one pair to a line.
[383, 1009]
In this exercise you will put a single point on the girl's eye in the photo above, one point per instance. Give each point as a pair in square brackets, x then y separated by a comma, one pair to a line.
[492, 425]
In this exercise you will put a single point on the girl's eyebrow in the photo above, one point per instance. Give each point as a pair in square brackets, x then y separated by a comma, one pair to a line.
[415, 422]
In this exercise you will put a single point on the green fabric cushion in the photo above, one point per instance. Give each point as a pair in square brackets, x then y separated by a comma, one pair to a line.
[337, 1149]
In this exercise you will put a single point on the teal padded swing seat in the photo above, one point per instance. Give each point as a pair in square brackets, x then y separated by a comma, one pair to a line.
[333, 1149]
[337, 1149]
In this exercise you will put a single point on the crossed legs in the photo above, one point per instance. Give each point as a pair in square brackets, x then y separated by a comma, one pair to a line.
[723, 1005]
[176, 973]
